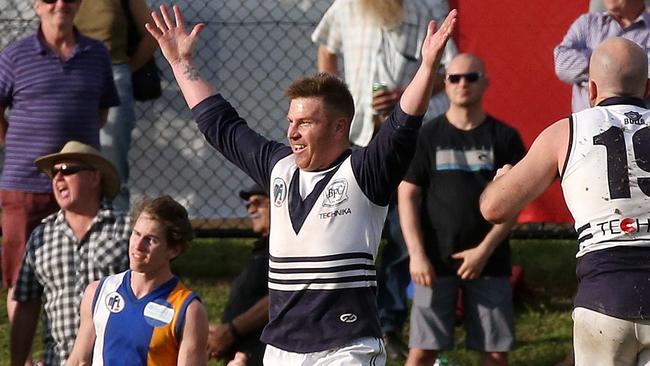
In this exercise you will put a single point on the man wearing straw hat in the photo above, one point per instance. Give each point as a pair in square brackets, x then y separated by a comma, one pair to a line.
[84, 241]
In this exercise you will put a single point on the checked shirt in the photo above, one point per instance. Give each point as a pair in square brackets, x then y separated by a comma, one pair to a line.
[57, 268]
[372, 54]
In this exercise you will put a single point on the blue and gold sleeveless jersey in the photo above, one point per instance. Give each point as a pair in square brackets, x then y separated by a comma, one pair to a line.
[145, 331]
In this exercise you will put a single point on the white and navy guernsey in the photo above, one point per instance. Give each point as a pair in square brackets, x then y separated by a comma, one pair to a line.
[325, 226]
[606, 185]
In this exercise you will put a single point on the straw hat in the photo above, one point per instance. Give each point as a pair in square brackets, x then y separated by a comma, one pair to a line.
[75, 150]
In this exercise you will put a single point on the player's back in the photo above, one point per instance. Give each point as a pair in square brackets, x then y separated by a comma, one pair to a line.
[606, 179]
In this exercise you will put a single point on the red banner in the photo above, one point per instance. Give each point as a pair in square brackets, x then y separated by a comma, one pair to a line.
[515, 39]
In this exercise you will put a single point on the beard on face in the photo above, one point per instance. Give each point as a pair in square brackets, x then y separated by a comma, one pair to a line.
[386, 13]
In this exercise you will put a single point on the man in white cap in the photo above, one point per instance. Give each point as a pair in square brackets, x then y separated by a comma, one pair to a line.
[83, 242]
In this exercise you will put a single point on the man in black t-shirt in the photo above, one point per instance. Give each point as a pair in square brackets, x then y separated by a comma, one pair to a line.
[247, 310]
[451, 246]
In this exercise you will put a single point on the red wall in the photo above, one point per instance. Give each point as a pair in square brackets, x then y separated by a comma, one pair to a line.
[515, 39]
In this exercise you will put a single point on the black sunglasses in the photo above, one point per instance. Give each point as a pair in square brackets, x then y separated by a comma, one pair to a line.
[54, 1]
[66, 169]
[257, 202]
[470, 77]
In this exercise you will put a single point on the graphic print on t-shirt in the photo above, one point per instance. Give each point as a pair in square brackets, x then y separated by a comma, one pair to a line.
[472, 160]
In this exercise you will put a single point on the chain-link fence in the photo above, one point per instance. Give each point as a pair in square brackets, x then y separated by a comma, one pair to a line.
[250, 50]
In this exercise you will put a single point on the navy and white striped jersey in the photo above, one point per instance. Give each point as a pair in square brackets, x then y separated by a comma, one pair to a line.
[325, 226]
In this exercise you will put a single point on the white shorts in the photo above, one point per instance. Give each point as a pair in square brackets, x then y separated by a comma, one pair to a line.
[603, 340]
[364, 351]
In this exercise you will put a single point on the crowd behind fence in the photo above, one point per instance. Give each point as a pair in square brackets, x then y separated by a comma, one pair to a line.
[250, 50]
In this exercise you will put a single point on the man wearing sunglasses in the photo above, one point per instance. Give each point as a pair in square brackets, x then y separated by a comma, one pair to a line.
[451, 246]
[84, 241]
[247, 310]
[58, 87]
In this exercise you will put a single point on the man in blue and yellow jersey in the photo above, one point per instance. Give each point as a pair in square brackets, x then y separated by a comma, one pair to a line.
[145, 315]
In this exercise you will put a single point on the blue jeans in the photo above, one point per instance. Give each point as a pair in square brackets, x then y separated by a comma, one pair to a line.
[393, 276]
[115, 137]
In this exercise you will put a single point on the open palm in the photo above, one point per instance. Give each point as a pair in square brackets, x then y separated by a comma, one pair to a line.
[435, 41]
[175, 43]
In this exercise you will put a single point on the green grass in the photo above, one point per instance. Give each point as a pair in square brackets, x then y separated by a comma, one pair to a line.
[543, 321]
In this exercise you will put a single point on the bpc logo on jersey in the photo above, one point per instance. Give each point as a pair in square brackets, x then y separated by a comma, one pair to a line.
[279, 192]
[336, 193]
[114, 302]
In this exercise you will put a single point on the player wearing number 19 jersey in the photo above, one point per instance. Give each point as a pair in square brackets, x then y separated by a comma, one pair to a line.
[603, 157]
[606, 184]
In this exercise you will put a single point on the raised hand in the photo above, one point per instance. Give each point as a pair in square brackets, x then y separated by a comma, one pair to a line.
[175, 43]
[435, 42]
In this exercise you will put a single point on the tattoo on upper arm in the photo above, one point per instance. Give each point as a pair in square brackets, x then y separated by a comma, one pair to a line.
[191, 73]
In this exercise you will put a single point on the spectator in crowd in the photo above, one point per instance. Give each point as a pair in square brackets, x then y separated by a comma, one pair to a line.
[380, 44]
[628, 19]
[58, 87]
[84, 241]
[603, 167]
[145, 315]
[599, 5]
[247, 309]
[107, 21]
[329, 203]
[450, 245]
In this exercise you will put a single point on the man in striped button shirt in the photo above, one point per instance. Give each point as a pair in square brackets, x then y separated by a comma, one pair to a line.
[622, 18]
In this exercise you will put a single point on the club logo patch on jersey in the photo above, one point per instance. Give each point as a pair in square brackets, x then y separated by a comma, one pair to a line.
[348, 318]
[335, 193]
[158, 314]
[633, 118]
[279, 192]
[114, 302]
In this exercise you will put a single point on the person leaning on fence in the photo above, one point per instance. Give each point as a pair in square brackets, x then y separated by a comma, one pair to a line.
[602, 156]
[379, 43]
[457, 154]
[107, 21]
[84, 241]
[58, 86]
[145, 315]
[328, 203]
[247, 309]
